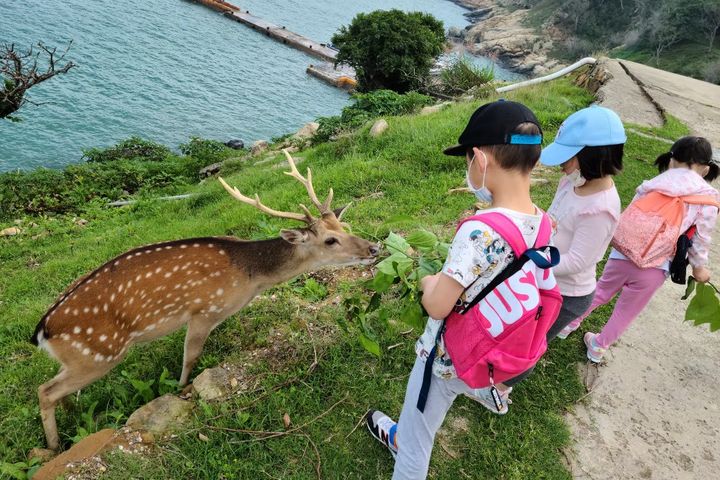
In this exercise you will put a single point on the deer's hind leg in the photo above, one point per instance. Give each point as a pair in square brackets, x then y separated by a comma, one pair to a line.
[69, 379]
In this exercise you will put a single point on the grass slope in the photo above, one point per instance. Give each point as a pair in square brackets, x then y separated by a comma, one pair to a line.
[270, 339]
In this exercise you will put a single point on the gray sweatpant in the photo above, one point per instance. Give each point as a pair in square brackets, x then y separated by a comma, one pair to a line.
[416, 430]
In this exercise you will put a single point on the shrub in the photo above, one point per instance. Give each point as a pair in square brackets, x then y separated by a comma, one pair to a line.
[203, 149]
[712, 72]
[390, 48]
[462, 76]
[368, 106]
[134, 148]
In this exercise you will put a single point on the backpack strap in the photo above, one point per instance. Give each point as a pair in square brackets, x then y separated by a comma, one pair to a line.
[701, 200]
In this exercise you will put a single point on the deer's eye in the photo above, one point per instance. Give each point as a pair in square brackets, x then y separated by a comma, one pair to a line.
[331, 241]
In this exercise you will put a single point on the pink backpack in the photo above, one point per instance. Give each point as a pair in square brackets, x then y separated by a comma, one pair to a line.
[502, 331]
[649, 228]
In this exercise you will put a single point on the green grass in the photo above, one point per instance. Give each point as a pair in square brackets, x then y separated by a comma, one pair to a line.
[270, 337]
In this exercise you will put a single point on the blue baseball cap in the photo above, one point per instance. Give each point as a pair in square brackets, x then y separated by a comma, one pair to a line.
[590, 127]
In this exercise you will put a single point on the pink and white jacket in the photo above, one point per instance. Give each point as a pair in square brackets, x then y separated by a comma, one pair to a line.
[681, 182]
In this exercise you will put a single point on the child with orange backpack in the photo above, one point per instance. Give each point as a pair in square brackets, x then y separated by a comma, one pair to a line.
[677, 203]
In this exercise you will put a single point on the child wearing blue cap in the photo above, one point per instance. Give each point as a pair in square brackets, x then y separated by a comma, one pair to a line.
[586, 208]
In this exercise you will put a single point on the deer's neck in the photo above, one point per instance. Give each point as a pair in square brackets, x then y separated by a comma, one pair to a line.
[269, 262]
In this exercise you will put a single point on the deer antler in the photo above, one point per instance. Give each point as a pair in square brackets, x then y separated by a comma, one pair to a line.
[324, 207]
[306, 217]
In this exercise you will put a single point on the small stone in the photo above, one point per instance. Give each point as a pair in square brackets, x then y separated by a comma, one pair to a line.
[10, 232]
[378, 128]
[433, 108]
[287, 421]
[160, 415]
[81, 222]
[212, 383]
[42, 454]
[259, 147]
[233, 382]
[202, 437]
[210, 170]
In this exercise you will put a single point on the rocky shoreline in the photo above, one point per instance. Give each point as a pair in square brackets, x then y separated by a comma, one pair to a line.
[501, 33]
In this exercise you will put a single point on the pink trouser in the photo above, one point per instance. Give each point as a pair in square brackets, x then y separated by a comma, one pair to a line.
[638, 286]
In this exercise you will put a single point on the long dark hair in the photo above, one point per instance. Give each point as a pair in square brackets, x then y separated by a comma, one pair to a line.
[691, 151]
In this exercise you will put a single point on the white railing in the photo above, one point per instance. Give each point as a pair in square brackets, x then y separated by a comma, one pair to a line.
[552, 76]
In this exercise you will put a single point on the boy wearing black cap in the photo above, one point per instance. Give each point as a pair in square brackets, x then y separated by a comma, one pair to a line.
[501, 145]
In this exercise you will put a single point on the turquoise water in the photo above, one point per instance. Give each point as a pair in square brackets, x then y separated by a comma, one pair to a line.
[169, 69]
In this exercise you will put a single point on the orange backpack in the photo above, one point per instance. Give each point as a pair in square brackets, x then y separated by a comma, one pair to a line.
[649, 227]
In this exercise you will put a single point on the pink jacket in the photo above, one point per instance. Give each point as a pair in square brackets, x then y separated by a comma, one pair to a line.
[678, 182]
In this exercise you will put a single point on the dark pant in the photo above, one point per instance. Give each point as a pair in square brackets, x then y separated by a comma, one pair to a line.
[572, 308]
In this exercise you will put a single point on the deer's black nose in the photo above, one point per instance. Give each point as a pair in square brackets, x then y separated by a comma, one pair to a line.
[374, 250]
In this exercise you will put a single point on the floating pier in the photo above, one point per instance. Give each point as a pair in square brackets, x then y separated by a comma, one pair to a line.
[342, 77]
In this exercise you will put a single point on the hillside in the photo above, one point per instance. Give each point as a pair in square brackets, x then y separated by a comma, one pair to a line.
[397, 181]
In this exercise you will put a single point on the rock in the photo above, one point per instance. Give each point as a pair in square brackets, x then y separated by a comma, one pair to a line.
[161, 415]
[42, 454]
[433, 108]
[10, 232]
[378, 128]
[259, 147]
[235, 144]
[212, 383]
[210, 170]
[478, 14]
[456, 32]
[80, 222]
[86, 448]
[307, 131]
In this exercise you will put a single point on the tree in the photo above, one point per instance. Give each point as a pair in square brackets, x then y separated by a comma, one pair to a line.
[390, 49]
[710, 20]
[20, 71]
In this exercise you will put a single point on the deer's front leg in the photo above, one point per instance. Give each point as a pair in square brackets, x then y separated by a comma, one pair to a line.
[198, 330]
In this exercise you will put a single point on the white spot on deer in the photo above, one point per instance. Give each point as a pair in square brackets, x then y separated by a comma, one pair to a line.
[65, 336]
[106, 269]
[112, 298]
[222, 252]
[102, 338]
[156, 311]
[76, 311]
[96, 310]
[105, 307]
[148, 274]
[212, 295]
[211, 245]
[175, 268]
[99, 358]
[110, 345]
[89, 330]
[183, 246]
[131, 301]
[129, 284]
[115, 335]
[198, 300]
[109, 358]
[86, 351]
[150, 327]
[220, 291]
[77, 330]
[167, 275]
[168, 247]
[196, 245]
[158, 270]
[138, 277]
[142, 294]
[158, 249]
[117, 262]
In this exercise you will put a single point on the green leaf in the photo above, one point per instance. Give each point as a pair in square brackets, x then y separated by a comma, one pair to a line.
[13, 470]
[374, 303]
[422, 239]
[370, 345]
[443, 249]
[397, 244]
[428, 267]
[412, 315]
[690, 288]
[704, 307]
[397, 262]
[381, 282]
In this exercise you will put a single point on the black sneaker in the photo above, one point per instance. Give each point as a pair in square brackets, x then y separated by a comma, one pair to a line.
[383, 428]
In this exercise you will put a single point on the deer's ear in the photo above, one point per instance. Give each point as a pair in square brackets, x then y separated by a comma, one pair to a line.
[296, 237]
[340, 211]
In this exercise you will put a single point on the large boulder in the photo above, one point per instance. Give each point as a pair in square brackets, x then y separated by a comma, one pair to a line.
[307, 131]
[212, 383]
[9, 232]
[211, 170]
[160, 415]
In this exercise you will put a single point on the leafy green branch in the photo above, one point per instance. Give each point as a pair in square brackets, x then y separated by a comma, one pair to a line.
[398, 275]
[704, 307]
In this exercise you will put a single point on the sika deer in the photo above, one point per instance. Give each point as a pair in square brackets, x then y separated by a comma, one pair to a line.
[151, 291]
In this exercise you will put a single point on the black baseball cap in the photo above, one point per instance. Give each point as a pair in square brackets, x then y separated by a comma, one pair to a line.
[496, 123]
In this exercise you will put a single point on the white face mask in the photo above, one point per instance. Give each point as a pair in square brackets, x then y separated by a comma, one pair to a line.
[482, 193]
[576, 178]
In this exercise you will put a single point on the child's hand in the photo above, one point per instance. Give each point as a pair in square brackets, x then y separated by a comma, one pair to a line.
[701, 274]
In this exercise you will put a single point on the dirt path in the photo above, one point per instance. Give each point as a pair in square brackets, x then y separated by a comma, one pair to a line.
[654, 412]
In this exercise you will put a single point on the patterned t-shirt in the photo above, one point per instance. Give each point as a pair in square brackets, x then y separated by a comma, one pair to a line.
[477, 254]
